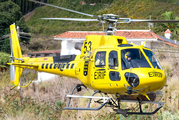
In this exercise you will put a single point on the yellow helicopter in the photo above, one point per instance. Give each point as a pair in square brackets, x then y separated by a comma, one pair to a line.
[107, 64]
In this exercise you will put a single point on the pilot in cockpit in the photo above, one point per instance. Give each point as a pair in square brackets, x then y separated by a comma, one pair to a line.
[100, 59]
[129, 57]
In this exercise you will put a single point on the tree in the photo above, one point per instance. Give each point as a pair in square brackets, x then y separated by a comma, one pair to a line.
[10, 13]
[174, 27]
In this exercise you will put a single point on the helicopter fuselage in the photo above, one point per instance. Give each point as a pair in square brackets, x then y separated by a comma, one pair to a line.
[114, 75]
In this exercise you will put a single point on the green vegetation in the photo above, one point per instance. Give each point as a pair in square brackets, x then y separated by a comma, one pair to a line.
[12, 107]
[135, 9]
[98, 1]
[4, 59]
[174, 27]
[10, 13]
[25, 5]
[49, 27]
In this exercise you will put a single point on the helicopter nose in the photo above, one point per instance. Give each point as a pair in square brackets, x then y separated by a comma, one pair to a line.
[152, 79]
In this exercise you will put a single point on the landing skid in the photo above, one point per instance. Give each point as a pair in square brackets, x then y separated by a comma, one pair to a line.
[78, 87]
[160, 105]
[113, 103]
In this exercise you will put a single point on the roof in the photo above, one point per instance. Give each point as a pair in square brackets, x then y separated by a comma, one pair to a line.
[128, 34]
[168, 31]
[78, 34]
[46, 51]
[132, 34]
[170, 42]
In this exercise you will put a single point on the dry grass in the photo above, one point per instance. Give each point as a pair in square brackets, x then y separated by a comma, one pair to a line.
[167, 67]
[51, 90]
[170, 63]
[81, 114]
[173, 83]
[4, 78]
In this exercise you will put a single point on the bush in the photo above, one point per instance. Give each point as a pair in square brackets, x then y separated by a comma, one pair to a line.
[4, 59]
[35, 46]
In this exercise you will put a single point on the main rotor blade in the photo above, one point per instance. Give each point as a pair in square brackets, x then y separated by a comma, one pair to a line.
[64, 8]
[71, 19]
[154, 21]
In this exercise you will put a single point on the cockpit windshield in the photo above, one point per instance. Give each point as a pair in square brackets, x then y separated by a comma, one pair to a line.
[151, 56]
[133, 58]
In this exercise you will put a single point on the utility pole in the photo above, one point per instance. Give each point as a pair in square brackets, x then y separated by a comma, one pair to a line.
[150, 24]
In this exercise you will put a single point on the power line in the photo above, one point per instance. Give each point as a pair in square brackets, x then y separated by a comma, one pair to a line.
[24, 37]
[28, 38]
[5, 36]
[4, 40]
[23, 33]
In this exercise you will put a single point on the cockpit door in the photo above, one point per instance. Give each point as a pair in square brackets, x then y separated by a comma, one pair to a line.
[113, 66]
[98, 72]
[106, 70]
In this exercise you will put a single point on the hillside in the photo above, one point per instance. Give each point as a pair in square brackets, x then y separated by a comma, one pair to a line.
[135, 9]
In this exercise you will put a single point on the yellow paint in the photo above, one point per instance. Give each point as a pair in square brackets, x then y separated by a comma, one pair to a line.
[84, 69]
[146, 96]
[144, 43]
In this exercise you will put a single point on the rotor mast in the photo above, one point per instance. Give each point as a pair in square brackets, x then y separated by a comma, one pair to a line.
[111, 20]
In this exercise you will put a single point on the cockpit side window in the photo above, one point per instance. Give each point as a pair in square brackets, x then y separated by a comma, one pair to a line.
[100, 59]
[113, 60]
[151, 56]
[133, 58]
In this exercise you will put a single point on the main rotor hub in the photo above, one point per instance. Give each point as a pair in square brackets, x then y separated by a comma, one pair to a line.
[110, 16]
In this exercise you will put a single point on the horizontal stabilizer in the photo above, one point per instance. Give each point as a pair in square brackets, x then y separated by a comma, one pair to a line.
[24, 64]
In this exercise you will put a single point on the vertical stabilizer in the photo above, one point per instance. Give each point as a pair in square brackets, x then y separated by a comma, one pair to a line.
[16, 54]
[15, 42]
